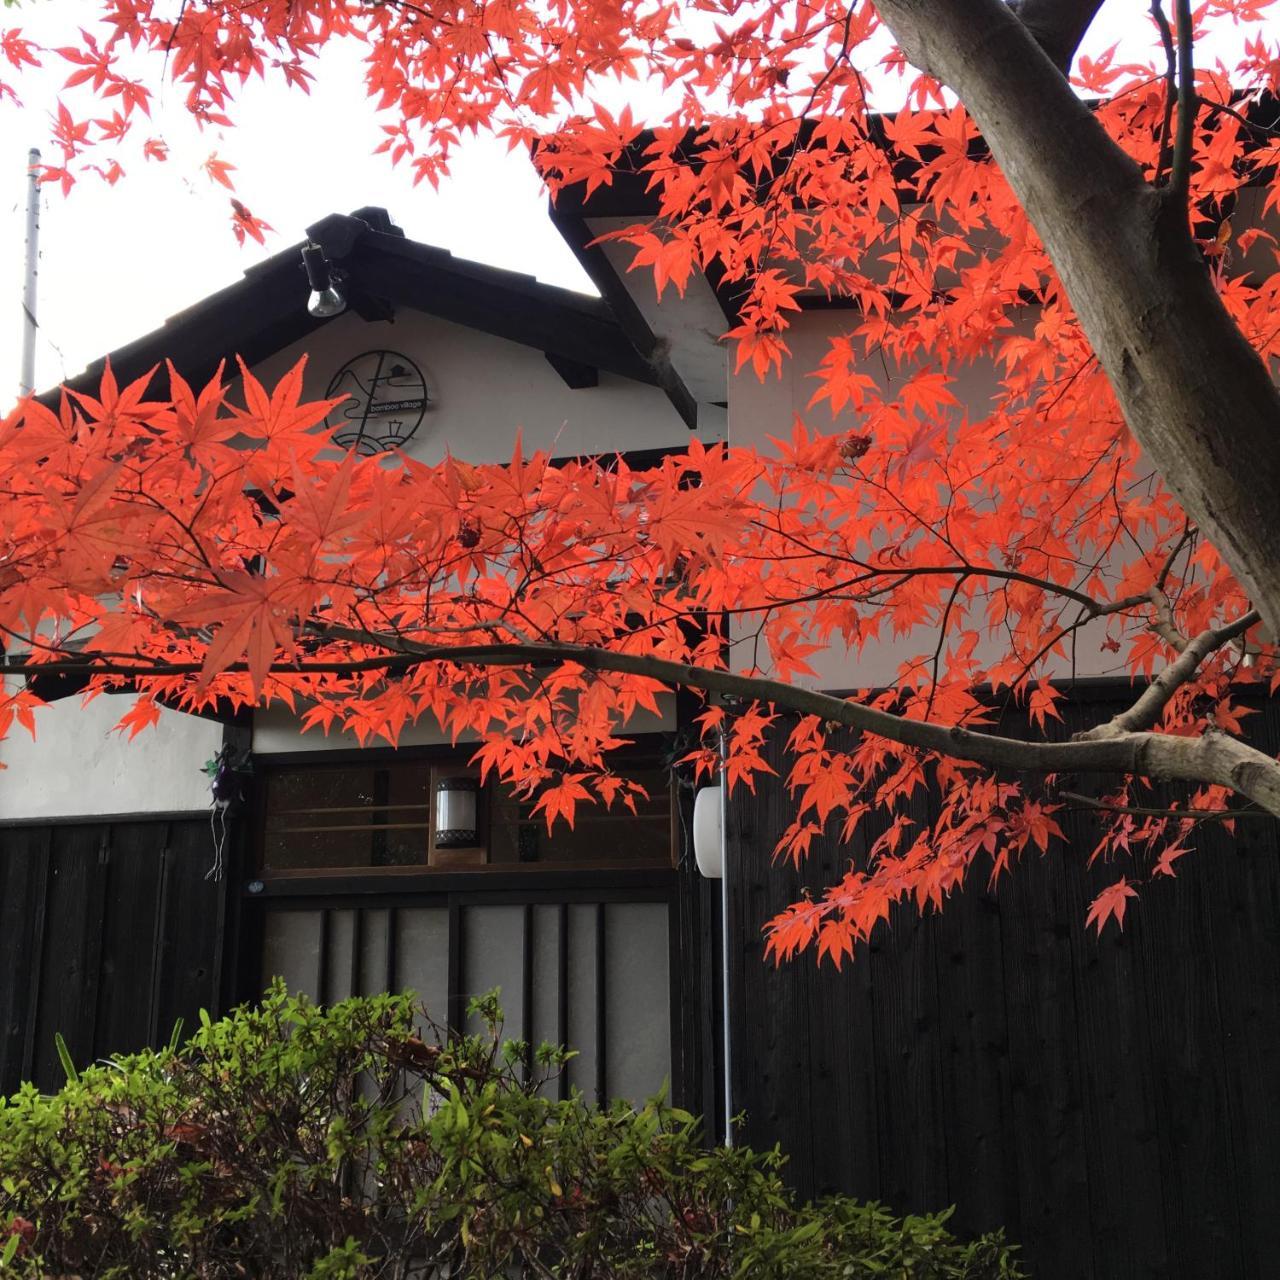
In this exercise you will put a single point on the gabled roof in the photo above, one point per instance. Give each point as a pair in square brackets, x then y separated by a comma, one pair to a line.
[266, 311]
[687, 328]
[630, 197]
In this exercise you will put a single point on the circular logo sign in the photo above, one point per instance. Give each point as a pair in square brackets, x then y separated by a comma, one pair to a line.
[386, 402]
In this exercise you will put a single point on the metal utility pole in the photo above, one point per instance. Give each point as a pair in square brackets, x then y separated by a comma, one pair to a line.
[28, 376]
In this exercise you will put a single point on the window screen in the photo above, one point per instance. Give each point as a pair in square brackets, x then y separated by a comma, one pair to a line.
[324, 816]
[599, 836]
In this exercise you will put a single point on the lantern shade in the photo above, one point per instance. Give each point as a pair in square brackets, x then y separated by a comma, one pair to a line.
[708, 847]
[457, 812]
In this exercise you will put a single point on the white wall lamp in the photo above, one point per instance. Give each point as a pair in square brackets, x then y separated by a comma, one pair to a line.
[457, 811]
[708, 833]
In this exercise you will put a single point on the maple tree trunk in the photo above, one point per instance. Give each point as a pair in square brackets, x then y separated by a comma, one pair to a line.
[1196, 395]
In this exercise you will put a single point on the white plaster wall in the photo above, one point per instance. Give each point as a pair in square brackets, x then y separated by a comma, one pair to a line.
[485, 388]
[760, 410]
[77, 766]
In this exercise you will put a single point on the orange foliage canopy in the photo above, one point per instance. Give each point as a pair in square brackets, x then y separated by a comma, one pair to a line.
[213, 546]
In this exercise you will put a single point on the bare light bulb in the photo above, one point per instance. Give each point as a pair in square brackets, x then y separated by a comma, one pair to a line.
[327, 297]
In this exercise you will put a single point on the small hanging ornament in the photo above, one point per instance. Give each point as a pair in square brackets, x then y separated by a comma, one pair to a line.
[226, 773]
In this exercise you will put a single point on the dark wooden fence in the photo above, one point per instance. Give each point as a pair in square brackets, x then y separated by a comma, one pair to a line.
[109, 933]
[1114, 1104]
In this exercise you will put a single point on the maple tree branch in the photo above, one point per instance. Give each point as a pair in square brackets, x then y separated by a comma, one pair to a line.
[1212, 758]
[1094, 608]
[1183, 815]
[134, 668]
[1163, 624]
[1188, 535]
[1266, 130]
[1188, 106]
[1170, 89]
[1155, 697]
[1058, 26]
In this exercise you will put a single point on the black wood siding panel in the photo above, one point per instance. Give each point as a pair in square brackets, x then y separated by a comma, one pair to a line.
[23, 864]
[108, 934]
[1113, 1103]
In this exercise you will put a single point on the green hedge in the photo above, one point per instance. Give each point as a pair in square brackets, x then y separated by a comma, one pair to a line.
[289, 1140]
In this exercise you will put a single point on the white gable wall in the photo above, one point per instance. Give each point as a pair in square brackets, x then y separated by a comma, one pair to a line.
[484, 389]
[761, 410]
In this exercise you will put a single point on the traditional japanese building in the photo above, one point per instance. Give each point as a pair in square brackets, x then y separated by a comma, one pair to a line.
[1114, 1105]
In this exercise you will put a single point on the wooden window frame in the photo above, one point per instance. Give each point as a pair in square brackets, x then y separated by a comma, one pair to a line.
[440, 761]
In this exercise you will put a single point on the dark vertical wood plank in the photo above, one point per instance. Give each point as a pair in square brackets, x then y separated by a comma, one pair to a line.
[240, 866]
[357, 948]
[242, 977]
[1174, 927]
[64, 969]
[187, 977]
[682, 962]
[769, 1016]
[691, 961]
[129, 936]
[982, 1171]
[1044, 1071]
[223, 925]
[1115, 1067]
[244, 980]
[842, 1051]
[711, 993]
[913, 1155]
[322, 957]
[159, 951]
[390, 967]
[40, 916]
[100, 875]
[22, 870]
[1241, 966]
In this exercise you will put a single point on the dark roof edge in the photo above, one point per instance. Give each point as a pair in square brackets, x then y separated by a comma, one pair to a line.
[265, 310]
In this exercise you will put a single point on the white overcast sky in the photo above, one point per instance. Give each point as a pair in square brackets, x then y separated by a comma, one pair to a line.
[115, 262]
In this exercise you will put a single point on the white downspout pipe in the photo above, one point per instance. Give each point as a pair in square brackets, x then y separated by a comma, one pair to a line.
[724, 940]
[711, 852]
[27, 381]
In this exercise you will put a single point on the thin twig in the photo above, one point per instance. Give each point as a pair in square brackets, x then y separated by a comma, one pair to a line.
[1271, 130]
[1182, 815]
[1171, 89]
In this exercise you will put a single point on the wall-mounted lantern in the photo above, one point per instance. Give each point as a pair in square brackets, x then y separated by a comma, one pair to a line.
[457, 812]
